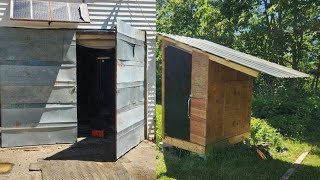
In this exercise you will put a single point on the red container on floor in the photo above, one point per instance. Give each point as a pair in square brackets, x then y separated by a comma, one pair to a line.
[97, 133]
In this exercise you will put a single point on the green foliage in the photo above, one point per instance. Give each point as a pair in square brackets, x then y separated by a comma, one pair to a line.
[289, 106]
[284, 32]
[262, 132]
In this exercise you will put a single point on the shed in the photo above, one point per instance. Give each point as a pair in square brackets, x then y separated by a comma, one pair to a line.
[207, 91]
[59, 84]
[69, 66]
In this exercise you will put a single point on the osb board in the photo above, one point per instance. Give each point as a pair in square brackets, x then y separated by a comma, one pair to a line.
[229, 103]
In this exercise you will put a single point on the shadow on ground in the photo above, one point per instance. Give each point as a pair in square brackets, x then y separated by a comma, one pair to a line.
[88, 149]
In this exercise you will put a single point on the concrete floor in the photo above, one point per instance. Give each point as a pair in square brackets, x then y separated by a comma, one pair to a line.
[66, 161]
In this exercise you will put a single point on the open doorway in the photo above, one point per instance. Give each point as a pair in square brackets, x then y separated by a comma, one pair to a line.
[96, 87]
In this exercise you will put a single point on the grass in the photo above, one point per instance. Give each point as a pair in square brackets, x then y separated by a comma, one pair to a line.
[238, 161]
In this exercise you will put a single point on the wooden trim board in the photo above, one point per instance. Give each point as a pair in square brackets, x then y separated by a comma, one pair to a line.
[214, 58]
[184, 145]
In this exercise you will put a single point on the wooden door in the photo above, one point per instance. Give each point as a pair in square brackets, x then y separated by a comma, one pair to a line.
[178, 65]
[130, 111]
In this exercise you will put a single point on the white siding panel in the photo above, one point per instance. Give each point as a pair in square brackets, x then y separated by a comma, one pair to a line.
[141, 14]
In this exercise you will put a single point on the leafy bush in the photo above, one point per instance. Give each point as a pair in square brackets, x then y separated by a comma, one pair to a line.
[288, 105]
[262, 132]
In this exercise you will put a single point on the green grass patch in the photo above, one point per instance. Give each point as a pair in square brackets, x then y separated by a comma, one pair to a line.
[240, 161]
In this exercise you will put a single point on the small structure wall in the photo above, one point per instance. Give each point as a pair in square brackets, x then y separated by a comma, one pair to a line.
[229, 103]
[220, 103]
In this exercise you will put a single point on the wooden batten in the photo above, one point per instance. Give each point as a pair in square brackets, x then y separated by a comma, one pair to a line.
[199, 86]
[189, 146]
[97, 40]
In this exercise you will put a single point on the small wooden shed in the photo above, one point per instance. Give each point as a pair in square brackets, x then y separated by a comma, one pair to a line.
[207, 91]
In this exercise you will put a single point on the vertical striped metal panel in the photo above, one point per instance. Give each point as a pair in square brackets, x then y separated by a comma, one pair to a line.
[130, 87]
[141, 14]
[38, 92]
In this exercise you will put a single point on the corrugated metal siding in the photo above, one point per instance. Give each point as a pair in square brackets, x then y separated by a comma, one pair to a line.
[238, 57]
[141, 14]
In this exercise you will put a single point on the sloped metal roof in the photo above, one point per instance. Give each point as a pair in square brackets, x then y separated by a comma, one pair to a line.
[238, 57]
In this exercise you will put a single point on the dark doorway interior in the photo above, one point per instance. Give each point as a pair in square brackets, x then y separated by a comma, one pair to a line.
[177, 93]
[96, 91]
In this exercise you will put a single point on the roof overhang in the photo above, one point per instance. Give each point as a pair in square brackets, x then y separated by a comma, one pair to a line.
[231, 58]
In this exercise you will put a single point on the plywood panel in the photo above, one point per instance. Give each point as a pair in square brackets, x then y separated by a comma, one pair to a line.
[229, 103]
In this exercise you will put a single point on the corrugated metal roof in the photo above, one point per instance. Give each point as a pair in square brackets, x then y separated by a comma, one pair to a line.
[238, 57]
